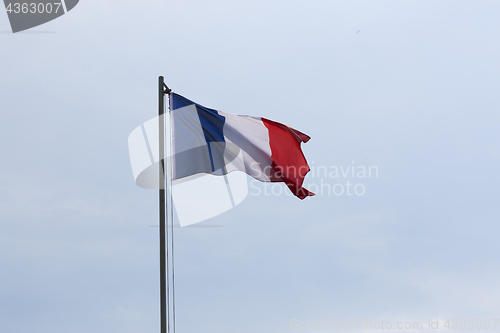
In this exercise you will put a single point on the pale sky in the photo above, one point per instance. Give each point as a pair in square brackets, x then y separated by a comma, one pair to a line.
[414, 93]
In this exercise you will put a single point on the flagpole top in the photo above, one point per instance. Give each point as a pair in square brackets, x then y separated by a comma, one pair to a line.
[166, 89]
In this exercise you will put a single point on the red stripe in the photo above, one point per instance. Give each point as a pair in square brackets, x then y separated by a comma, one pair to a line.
[289, 163]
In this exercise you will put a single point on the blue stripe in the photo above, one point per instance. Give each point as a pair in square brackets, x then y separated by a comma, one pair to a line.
[177, 101]
[212, 123]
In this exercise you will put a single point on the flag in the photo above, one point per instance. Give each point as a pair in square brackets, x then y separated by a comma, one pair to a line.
[209, 141]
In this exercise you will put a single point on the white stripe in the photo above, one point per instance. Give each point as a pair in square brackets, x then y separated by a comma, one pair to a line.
[251, 136]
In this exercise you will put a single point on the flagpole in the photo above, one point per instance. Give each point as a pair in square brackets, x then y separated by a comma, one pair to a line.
[163, 265]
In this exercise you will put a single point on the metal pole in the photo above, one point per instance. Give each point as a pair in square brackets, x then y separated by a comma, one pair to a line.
[163, 277]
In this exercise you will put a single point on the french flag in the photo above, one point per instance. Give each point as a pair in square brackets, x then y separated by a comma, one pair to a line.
[215, 142]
